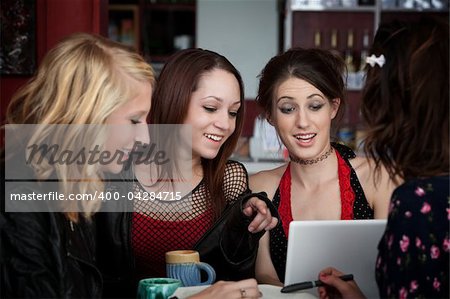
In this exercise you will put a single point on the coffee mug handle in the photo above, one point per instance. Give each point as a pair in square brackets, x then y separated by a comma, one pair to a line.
[209, 270]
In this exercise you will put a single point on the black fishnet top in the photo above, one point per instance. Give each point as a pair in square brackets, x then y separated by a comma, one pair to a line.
[166, 226]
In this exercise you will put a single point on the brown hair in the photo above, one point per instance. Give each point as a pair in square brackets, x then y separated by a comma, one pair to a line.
[320, 68]
[406, 101]
[178, 80]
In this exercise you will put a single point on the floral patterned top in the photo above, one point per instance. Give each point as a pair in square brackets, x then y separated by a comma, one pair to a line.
[413, 259]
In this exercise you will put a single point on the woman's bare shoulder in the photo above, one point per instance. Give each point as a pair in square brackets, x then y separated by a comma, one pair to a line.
[267, 180]
[376, 183]
[365, 169]
[360, 161]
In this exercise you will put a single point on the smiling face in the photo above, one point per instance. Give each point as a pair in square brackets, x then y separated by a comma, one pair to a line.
[212, 112]
[128, 124]
[302, 116]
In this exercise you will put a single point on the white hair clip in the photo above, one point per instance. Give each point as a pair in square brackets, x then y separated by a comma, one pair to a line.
[372, 60]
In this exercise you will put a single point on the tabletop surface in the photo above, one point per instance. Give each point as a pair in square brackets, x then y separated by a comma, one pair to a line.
[269, 292]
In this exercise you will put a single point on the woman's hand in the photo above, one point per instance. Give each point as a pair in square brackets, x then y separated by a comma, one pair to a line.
[336, 287]
[247, 288]
[263, 219]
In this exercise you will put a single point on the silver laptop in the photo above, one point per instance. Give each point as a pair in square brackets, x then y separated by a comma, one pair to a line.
[348, 245]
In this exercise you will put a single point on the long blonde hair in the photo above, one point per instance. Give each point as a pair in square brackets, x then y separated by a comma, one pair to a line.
[80, 81]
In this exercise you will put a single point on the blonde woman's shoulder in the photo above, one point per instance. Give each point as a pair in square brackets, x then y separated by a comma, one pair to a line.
[267, 180]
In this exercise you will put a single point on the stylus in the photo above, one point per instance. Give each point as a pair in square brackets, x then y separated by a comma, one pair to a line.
[310, 284]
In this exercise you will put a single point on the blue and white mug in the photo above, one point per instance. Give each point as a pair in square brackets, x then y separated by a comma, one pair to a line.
[185, 265]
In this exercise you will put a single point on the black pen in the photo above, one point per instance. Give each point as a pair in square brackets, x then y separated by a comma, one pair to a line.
[310, 284]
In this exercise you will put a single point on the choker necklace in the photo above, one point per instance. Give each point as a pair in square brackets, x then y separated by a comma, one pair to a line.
[312, 161]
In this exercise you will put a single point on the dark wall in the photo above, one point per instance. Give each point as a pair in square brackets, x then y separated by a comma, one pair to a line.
[54, 20]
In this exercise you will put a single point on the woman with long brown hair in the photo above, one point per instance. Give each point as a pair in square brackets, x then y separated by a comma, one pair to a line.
[203, 91]
[406, 106]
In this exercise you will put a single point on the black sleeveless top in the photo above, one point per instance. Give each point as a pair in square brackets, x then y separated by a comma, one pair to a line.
[361, 210]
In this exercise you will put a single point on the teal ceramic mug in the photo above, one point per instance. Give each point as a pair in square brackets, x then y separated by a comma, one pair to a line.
[185, 265]
[157, 288]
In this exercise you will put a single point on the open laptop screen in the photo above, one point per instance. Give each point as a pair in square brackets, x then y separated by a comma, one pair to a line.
[348, 245]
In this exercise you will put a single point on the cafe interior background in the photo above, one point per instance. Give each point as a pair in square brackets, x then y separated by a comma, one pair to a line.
[247, 32]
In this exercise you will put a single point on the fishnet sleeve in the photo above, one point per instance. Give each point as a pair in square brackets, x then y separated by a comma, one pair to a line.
[235, 181]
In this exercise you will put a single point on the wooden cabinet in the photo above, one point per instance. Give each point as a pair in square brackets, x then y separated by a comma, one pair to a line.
[167, 27]
[160, 27]
[304, 17]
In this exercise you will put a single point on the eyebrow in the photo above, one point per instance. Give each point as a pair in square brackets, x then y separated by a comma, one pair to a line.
[291, 98]
[315, 94]
[285, 97]
[220, 100]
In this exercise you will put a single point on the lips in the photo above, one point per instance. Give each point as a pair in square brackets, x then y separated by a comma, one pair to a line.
[213, 137]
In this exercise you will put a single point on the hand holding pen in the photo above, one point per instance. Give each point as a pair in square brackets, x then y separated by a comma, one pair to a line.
[311, 284]
[335, 287]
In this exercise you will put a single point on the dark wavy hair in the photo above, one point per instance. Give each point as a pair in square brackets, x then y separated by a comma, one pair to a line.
[178, 80]
[321, 68]
[406, 101]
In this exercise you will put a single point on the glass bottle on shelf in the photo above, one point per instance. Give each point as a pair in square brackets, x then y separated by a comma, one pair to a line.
[350, 61]
[334, 41]
[317, 39]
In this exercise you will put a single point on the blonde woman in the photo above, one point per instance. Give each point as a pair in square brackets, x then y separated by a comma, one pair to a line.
[85, 79]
